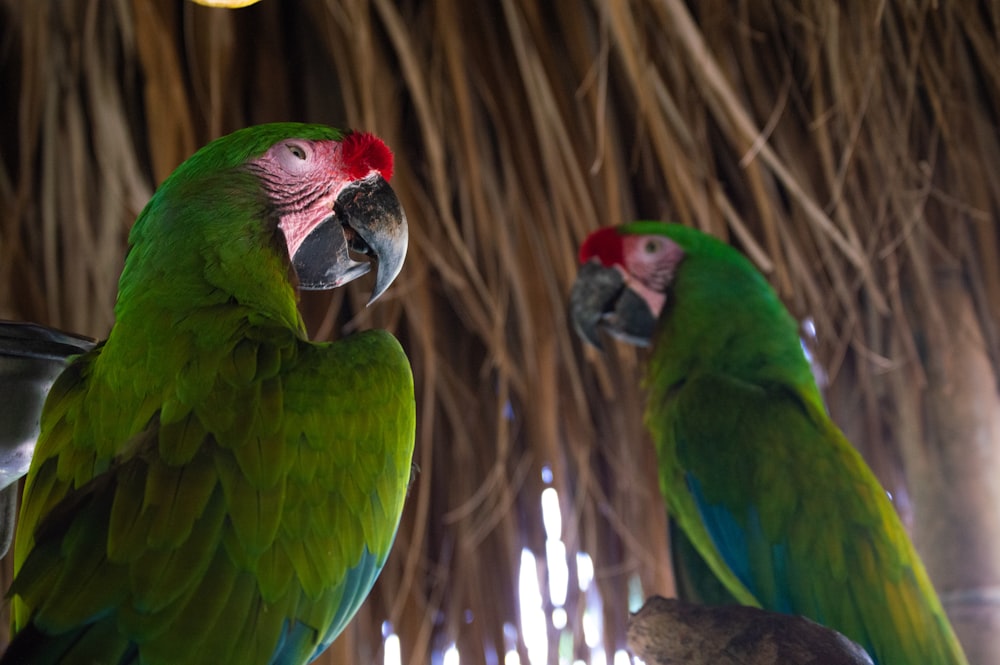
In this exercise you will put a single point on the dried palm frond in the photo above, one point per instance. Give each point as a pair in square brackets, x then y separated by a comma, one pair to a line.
[850, 149]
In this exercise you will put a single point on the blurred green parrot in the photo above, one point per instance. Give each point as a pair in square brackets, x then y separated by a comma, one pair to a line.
[208, 485]
[769, 491]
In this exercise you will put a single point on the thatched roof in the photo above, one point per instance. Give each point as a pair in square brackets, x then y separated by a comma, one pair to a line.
[851, 149]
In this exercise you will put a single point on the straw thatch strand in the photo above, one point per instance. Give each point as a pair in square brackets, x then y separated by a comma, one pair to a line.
[850, 149]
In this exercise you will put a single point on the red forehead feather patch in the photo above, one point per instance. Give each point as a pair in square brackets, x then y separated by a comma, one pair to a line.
[605, 244]
[363, 153]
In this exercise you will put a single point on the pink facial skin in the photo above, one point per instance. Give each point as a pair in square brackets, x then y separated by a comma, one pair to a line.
[647, 262]
[304, 178]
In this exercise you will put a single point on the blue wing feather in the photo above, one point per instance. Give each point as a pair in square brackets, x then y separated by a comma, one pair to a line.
[778, 500]
[358, 583]
[297, 637]
[737, 541]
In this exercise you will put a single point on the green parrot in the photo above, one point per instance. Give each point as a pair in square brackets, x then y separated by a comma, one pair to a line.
[769, 491]
[208, 485]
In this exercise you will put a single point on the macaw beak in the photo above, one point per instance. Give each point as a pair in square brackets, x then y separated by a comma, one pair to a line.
[600, 299]
[367, 220]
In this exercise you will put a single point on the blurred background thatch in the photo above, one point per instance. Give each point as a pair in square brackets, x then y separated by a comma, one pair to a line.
[851, 149]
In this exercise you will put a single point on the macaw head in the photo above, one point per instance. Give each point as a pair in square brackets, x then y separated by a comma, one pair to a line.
[308, 196]
[622, 286]
[333, 199]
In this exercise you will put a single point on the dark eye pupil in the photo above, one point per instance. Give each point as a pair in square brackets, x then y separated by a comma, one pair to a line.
[650, 246]
[297, 151]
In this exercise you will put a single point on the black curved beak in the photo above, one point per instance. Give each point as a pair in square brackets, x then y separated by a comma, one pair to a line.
[600, 299]
[367, 220]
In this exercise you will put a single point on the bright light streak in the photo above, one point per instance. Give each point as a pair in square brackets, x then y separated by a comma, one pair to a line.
[591, 629]
[809, 326]
[533, 621]
[555, 559]
[636, 595]
[551, 515]
[584, 570]
[547, 474]
[393, 655]
[622, 658]
[527, 585]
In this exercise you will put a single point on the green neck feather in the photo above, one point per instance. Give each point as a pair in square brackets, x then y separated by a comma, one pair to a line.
[200, 243]
[209, 237]
[722, 316]
[200, 269]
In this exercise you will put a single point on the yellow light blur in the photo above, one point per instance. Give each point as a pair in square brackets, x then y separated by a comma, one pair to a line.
[230, 4]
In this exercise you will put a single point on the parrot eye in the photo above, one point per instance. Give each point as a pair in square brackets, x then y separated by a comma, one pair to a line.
[293, 157]
[651, 246]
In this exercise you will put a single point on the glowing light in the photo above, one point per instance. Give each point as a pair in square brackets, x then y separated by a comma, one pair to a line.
[809, 326]
[584, 570]
[542, 611]
[591, 629]
[533, 621]
[229, 4]
[551, 515]
[636, 596]
[622, 658]
[393, 655]
[555, 559]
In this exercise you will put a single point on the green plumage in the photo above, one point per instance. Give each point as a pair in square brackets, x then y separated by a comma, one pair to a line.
[780, 505]
[208, 482]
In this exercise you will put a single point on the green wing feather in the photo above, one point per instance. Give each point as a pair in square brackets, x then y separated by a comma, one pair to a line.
[777, 498]
[276, 494]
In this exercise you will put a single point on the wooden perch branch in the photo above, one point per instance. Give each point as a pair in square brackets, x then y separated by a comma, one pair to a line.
[668, 631]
